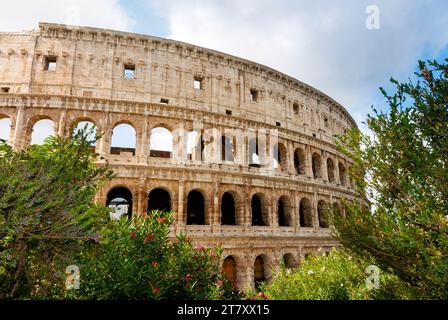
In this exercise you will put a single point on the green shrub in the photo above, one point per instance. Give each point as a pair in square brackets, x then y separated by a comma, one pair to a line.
[335, 276]
[135, 260]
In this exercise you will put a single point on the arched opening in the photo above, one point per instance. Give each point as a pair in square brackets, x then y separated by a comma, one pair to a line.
[254, 156]
[161, 143]
[330, 170]
[195, 208]
[305, 213]
[195, 146]
[284, 212]
[299, 161]
[259, 271]
[316, 166]
[120, 201]
[90, 127]
[228, 147]
[124, 140]
[229, 268]
[159, 199]
[280, 157]
[5, 128]
[42, 129]
[228, 210]
[259, 217]
[342, 174]
[289, 261]
[321, 207]
[337, 208]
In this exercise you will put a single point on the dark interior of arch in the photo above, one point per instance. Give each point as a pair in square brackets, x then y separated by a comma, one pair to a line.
[316, 166]
[288, 261]
[120, 196]
[305, 213]
[321, 213]
[229, 268]
[330, 170]
[299, 163]
[253, 149]
[228, 210]
[257, 213]
[259, 273]
[195, 208]
[282, 219]
[159, 199]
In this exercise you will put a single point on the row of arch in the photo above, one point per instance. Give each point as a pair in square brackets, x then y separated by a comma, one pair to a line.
[120, 200]
[123, 141]
[260, 266]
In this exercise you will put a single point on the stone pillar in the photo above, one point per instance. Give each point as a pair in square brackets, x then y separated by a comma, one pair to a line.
[309, 162]
[61, 129]
[216, 221]
[324, 167]
[18, 139]
[290, 149]
[143, 146]
[180, 204]
[314, 210]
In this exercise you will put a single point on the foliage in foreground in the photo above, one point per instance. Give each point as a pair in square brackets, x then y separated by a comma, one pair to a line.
[404, 171]
[135, 260]
[335, 276]
[46, 212]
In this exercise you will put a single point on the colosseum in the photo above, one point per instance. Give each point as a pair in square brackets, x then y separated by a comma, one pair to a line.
[243, 155]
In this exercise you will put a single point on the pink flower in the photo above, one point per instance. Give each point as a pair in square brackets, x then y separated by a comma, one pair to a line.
[188, 277]
[155, 264]
[161, 220]
[149, 237]
[263, 295]
[156, 291]
[133, 235]
[200, 248]
[212, 254]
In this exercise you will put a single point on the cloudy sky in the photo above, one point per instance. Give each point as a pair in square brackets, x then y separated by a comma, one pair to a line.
[325, 44]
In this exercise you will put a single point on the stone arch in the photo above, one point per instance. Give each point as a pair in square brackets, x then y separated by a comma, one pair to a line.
[305, 213]
[299, 161]
[284, 212]
[342, 174]
[123, 139]
[337, 208]
[120, 200]
[196, 208]
[330, 170]
[289, 261]
[228, 148]
[321, 212]
[5, 127]
[254, 152]
[229, 210]
[41, 127]
[229, 267]
[259, 210]
[280, 157]
[260, 270]
[159, 199]
[83, 122]
[161, 142]
[317, 170]
[195, 146]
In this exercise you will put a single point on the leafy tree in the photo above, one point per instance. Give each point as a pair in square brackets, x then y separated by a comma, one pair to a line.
[403, 170]
[46, 212]
[136, 260]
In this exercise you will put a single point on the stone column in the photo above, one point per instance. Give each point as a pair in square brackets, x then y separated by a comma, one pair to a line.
[309, 162]
[143, 151]
[60, 129]
[18, 138]
[324, 167]
[180, 204]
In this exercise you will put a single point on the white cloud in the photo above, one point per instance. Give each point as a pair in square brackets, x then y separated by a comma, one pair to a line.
[25, 14]
[322, 43]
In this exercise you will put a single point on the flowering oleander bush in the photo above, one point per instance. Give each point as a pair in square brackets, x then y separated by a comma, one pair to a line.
[135, 260]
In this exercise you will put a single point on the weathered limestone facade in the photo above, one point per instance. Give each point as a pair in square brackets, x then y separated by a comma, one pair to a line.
[87, 83]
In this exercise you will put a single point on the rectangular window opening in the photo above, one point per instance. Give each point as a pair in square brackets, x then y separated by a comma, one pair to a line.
[4, 89]
[228, 112]
[278, 124]
[129, 71]
[50, 63]
[164, 101]
[253, 95]
[295, 108]
[198, 83]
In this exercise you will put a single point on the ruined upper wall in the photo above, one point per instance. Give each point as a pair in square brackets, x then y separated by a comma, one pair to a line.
[90, 62]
